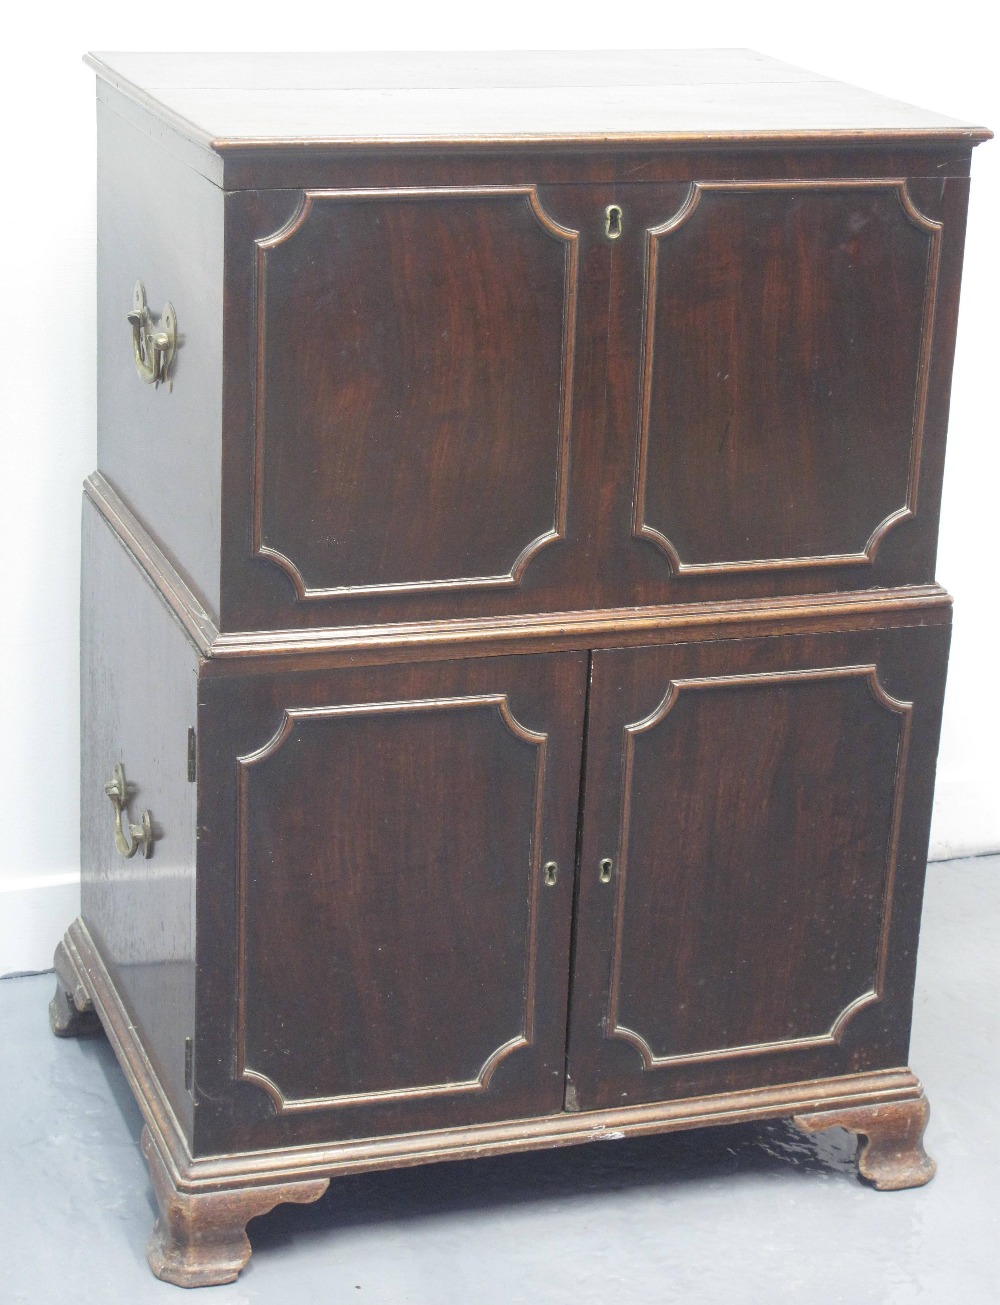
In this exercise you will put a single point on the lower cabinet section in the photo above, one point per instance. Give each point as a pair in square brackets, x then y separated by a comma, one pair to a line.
[497, 891]
[387, 862]
[398, 913]
[754, 833]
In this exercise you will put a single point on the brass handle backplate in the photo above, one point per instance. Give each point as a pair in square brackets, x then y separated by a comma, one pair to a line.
[141, 835]
[154, 347]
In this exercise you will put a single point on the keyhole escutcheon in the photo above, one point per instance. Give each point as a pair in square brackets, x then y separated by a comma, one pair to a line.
[613, 221]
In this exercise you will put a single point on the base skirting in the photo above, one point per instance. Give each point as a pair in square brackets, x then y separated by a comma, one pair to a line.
[283, 1165]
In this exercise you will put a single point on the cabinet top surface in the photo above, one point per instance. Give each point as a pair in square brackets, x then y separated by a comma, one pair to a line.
[232, 100]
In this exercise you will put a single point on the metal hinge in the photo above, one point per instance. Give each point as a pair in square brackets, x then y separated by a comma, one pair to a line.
[192, 755]
[189, 1064]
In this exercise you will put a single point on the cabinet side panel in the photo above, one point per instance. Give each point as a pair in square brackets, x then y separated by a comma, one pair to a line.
[139, 697]
[160, 446]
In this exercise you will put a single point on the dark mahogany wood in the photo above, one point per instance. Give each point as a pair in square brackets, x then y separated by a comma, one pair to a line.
[161, 447]
[392, 953]
[139, 692]
[782, 402]
[855, 422]
[199, 1239]
[762, 808]
[891, 1155]
[519, 630]
[71, 1010]
[414, 389]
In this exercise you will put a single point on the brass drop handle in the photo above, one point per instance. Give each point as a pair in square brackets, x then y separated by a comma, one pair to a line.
[141, 834]
[153, 348]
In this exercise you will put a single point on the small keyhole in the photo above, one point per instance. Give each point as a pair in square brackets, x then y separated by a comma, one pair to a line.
[607, 865]
[613, 221]
[551, 873]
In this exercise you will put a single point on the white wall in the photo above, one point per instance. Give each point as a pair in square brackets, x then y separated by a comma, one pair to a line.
[938, 58]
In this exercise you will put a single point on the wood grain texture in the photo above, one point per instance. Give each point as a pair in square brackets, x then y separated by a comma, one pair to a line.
[138, 700]
[855, 489]
[279, 1165]
[161, 447]
[71, 1010]
[783, 403]
[891, 1156]
[387, 956]
[780, 782]
[415, 353]
[200, 1240]
[508, 97]
[479, 549]
[255, 651]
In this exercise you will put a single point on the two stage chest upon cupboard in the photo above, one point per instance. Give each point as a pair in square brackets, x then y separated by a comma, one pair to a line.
[512, 659]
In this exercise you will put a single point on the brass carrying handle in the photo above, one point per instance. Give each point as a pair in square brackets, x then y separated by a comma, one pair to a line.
[142, 833]
[154, 348]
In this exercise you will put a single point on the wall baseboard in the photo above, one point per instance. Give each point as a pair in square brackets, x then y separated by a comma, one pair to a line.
[966, 818]
[34, 915]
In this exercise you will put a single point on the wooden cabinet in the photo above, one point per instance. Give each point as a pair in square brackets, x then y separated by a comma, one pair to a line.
[513, 660]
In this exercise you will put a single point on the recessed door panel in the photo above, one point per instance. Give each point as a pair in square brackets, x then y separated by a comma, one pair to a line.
[405, 842]
[414, 385]
[752, 850]
[788, 327]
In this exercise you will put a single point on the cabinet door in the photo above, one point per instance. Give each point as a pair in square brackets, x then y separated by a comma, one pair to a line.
[783, 381]
[402, 421]
[388, 949]
[760, 809]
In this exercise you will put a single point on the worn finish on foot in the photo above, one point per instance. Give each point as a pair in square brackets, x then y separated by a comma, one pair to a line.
[891, 1155]
[71, 1012]
[199, 1239]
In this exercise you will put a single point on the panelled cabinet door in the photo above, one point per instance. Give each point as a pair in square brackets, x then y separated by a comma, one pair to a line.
[393, 937]
[402, 399]
[785, 333]
[754, 836]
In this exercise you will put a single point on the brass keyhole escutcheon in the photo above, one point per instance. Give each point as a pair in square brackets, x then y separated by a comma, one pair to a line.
[607, 865]
[550, 873]
[613, 221]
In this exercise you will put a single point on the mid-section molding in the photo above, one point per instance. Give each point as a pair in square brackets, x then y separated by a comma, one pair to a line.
[293, 717]
[831, 1037]
[158, 569]
[489, 636]
[642, 529]
[297, 220]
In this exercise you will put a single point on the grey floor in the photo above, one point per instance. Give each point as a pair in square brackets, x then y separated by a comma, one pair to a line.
[746, 1215]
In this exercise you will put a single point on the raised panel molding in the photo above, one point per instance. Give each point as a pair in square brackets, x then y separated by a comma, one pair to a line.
[294, 717]
[865, 554]
[832, 1036]
[270, 551]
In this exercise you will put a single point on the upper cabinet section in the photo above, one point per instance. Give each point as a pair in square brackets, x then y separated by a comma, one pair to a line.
[476, 338]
